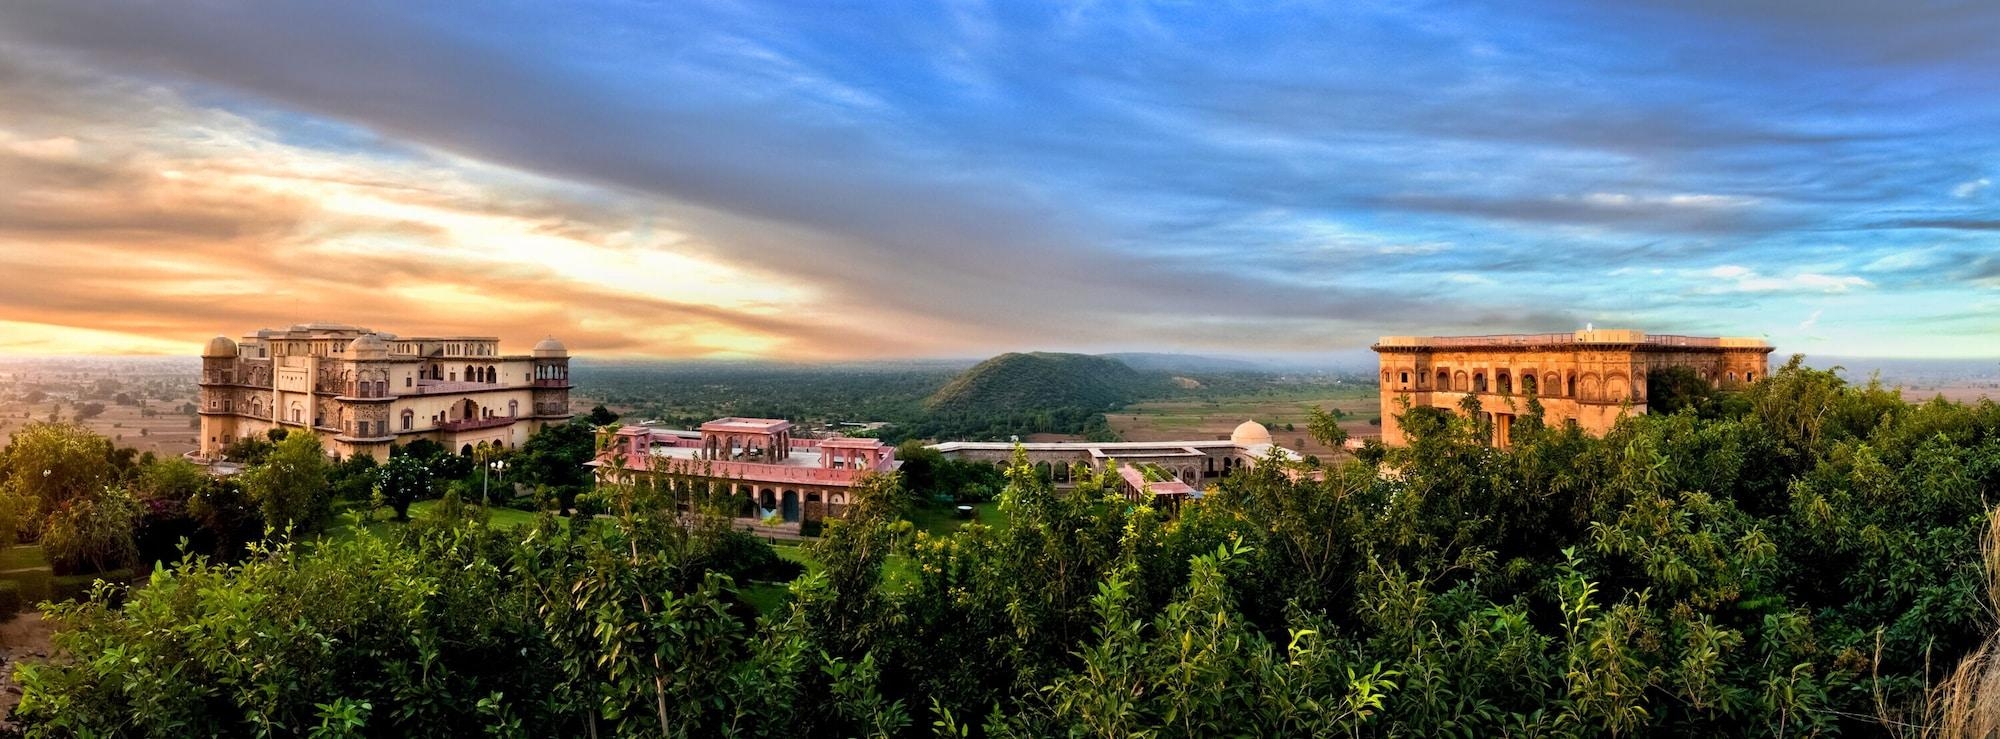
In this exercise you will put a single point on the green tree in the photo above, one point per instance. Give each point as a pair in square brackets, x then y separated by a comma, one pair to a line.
[290, 487]
[49, 464]
[601, 416]
[404, 479]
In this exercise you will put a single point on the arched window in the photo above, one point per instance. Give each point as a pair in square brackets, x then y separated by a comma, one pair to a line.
[1444, 379]
[1505, 381]
[513, 408]
[1749, 377]
[409, 418]
[1406, 379]
[1479, 381]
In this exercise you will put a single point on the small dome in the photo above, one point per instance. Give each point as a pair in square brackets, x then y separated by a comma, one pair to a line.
[368, 346]
[1250, 433]
[220, 346]
[549, 347]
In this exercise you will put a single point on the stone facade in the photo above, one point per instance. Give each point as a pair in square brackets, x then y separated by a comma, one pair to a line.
[1588, 378]
[362, 390]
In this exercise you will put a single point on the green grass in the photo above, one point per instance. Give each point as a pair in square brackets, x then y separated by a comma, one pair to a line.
[941, 520]
[28, 568]
[22, 557]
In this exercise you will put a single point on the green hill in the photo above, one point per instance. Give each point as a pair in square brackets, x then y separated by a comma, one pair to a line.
[1012, 384]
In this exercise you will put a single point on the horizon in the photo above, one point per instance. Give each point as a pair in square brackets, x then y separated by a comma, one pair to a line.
[769, 182]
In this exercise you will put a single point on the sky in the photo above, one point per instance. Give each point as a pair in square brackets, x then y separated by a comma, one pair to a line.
[820, 181]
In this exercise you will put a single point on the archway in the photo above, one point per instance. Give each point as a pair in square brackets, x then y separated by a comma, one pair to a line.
[471, 410]
[1461, 381]
[1479, 381]
[767, 499]
[1443, 380]
[790, 511]
[465, 451]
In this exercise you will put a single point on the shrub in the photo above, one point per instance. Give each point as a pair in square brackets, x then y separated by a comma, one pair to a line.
[10, 599]
[92, 534]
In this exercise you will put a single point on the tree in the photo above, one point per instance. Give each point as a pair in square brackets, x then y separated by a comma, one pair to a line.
[290, 487]
[1324, 427]
[555, 456]
[92, 533]
[1673, 388]
[601, 416]
[49, 464]
[404, 479]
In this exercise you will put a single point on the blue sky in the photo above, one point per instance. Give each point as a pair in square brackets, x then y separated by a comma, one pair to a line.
[821, 180]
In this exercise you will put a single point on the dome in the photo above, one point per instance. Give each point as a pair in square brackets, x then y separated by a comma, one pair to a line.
[368, 346]
[1250, 433]
[549, 347]
[220, 346]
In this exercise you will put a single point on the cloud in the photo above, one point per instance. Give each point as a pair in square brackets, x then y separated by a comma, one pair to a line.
[1737, 278]
[1971, 188]
[703, 178]
[1811, 321]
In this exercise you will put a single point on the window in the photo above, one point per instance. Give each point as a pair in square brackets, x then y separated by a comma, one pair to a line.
[408, 381]
[408, 418]
[364, 428]
[229, 405]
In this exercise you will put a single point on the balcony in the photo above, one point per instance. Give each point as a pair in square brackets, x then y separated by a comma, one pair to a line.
[550, 383]
[445, 387]
[477, 423]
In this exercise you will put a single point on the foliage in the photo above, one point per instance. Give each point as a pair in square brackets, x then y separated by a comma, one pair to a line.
[47, 465]
[601, 416]
[1793, 561]
[554, 457]
[290, 487]
[92, 533]
[403, 480]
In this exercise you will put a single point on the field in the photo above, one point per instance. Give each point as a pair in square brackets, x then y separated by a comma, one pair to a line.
[1214, 418]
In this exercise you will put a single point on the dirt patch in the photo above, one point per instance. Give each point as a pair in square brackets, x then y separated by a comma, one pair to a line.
[1201, 420]
[23, 638]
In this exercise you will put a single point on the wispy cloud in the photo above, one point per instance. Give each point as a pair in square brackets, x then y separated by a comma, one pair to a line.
[811, 181]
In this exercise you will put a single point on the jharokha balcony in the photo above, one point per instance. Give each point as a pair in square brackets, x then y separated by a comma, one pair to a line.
[476, 423]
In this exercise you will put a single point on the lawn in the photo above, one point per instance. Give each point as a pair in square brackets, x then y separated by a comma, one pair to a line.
[941, 520]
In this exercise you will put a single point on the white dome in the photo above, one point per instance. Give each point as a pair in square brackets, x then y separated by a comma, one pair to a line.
[368, 346]
[1250, 433]
[219, 346]
[549, 347]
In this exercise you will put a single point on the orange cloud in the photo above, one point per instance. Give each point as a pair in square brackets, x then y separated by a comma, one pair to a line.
[145, 235]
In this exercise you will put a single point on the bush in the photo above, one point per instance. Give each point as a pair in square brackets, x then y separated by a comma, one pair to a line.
[92, 534]
[10, 599]
[811, 527]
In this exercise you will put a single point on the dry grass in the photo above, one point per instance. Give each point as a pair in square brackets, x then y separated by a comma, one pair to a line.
[1967, 704]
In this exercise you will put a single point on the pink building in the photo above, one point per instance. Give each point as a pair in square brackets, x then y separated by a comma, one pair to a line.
[758, 460]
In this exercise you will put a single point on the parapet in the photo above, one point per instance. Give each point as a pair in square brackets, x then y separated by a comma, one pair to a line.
[1610, 336]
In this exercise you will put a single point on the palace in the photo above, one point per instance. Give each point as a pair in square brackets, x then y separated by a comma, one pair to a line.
[1589, 378]
[755, 459]
[774, 473]
[362, 390]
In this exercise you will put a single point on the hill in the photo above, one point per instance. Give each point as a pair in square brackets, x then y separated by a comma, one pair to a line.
[1157, 362]
[1039, 382]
